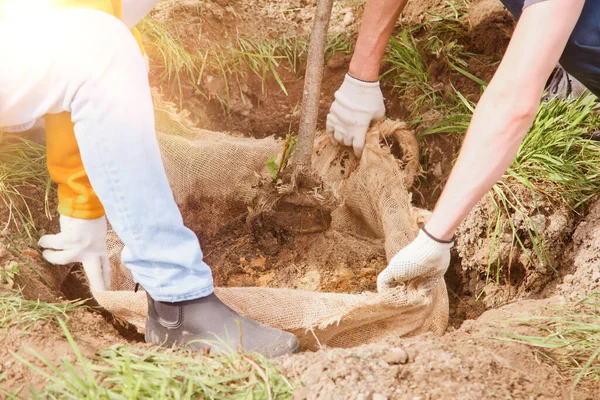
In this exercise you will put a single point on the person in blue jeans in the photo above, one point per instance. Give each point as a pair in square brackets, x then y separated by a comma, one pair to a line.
[547, 32]
[58, 59]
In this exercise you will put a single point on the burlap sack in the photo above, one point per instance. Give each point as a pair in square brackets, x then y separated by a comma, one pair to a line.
[371, 199]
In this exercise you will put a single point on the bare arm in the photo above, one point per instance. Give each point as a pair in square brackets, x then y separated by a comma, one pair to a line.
[506, 110]
[378, 21]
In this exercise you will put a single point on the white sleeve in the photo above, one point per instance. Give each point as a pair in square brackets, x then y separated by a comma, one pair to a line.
[135, 10]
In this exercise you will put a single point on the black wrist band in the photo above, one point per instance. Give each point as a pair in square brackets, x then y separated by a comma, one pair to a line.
[438, 240]
[348, 73]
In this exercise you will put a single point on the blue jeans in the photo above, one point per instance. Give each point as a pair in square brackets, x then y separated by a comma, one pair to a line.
[99, 75]
[581, 57]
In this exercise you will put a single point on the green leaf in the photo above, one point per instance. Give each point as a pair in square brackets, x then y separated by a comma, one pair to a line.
[273, 166]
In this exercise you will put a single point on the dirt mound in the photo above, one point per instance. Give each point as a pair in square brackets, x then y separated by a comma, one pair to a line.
[204, 24]
[470, 363]
[495, 263]
[237, 98]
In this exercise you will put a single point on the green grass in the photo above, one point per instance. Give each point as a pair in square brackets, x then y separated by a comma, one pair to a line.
[556, 158]
[22, 168]
[16, 312]
[124, 372]
[569, 338]
[18, 315]
[9, 395]
[412, 51]
[408, 69]
[171, 62]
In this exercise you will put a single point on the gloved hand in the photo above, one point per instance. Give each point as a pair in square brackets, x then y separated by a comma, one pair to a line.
[424, 256]
[84, 241]
[357, 104]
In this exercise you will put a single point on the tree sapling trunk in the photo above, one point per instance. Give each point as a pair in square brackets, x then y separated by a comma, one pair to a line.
[302, 159]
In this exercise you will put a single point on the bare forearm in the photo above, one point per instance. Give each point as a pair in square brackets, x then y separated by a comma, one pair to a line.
[505, 111]
[496, 131]
[377, 24]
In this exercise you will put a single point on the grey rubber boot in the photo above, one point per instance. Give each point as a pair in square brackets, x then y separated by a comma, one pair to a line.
[193, 323]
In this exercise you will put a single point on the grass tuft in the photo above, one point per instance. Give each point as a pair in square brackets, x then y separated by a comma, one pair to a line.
[16, 312]
[178, 69]
[22, 168]
[125, 372]
[571, 339]
[174, 66]
[408, 69]
[556, 158]
[435, 43]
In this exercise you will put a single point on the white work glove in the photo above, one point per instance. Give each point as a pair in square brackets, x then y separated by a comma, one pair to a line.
[423, 257]
[357, 104]
[84, 241]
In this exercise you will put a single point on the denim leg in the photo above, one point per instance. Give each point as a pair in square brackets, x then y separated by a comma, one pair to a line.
[99, 76]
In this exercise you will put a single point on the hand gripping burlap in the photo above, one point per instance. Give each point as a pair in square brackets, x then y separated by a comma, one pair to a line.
[371, 199]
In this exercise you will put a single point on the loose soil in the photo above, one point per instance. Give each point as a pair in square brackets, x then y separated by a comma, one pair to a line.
[468, 362]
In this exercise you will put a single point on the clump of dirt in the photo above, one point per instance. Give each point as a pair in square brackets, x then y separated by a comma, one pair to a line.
[582, 259]
[491, 27]
[497, 264]
[438, 153]
[416, 12]
[327, 261]
[37, 279]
